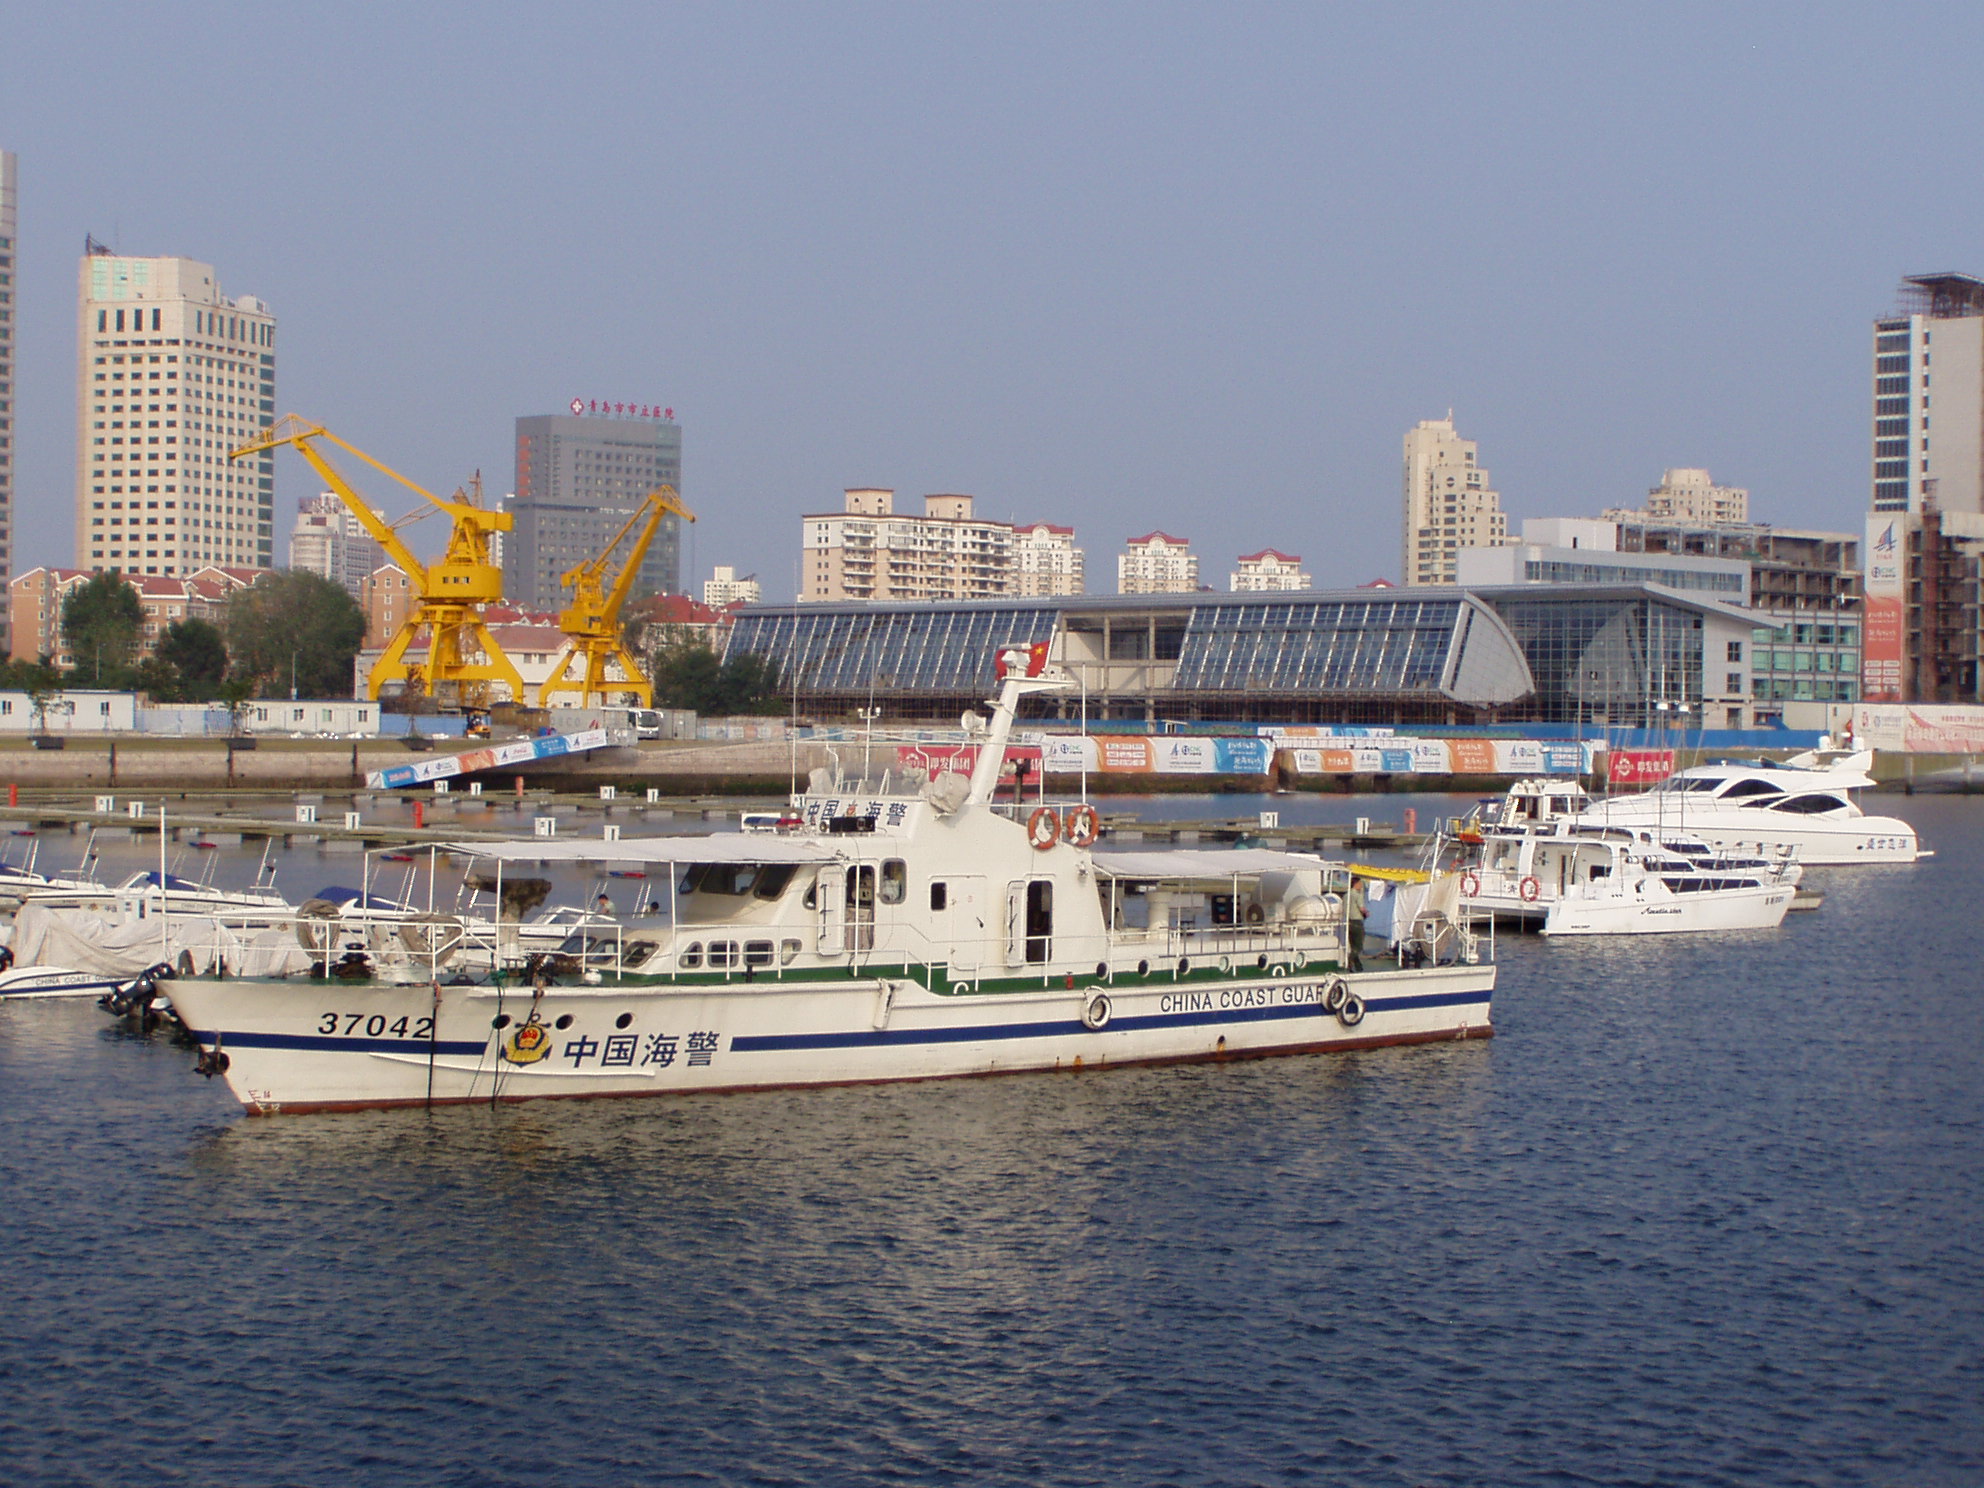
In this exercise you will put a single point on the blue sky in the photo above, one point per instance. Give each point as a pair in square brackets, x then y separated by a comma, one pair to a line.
[1124, 266]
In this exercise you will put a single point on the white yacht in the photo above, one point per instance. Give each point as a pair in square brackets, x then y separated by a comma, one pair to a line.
[1757, 809]
[907, 929]
[1567, 878]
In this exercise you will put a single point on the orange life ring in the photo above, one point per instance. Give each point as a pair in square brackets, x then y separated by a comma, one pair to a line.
[1043, 828]
[1081, 826]
[1470, 884]
[1529, 889]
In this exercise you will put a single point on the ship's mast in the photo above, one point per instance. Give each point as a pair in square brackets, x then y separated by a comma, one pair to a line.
[1015, 662]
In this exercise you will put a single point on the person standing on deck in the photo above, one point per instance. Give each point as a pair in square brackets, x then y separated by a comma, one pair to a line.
[1354, 909]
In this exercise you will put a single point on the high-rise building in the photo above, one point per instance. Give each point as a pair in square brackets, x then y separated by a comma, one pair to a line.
[171, 375]
[579, 477]
[1449, 504]
[1925, 532]
[1267, 572]
[1929, 358]
[1046, 560]
[329, 539]
[1157, 563]
[723, 587]
[8, 302]
[869, 551]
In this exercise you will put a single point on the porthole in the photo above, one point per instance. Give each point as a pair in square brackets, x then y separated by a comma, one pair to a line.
[501, 1020]
[623, 1020]
[564, 1021]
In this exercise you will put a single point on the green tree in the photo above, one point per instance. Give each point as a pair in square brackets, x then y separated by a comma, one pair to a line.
[28, 676]
[101, 621]
[688, 674]
[40, 681]
[197, 654]
[295, 625]
[751, 684]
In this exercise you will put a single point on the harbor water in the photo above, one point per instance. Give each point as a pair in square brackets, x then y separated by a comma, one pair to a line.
[1708, 1210]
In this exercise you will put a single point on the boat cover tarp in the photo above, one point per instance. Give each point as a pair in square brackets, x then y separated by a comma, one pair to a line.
[1208, 862]
[719, 847]
[78, 941]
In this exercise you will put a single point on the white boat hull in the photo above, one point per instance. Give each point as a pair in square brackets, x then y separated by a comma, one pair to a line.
[1761, 908]
[55, 981]
[1758, 831]
[315, 1046]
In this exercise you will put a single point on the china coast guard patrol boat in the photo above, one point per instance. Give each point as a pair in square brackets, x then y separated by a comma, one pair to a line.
[894, 934]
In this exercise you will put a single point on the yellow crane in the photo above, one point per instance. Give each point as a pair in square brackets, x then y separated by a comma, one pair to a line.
[448, 594]
[592, 621]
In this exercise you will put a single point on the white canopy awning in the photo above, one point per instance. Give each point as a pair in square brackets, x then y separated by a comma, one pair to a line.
[1211, 862]
[721, 847]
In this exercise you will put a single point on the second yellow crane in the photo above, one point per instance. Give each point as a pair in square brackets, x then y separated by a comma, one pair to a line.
[592, 621]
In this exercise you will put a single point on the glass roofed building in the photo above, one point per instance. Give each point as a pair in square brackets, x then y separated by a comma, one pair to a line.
[1556, 653]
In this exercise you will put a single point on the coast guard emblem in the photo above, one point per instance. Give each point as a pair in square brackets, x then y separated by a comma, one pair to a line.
[527, 1043]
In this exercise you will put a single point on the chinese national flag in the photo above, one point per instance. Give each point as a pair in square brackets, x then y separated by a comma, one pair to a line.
[1036, 661]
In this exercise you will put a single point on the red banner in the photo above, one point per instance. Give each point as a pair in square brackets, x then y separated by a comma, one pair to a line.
[937, 758]
[1641, 766]
[1882, 650]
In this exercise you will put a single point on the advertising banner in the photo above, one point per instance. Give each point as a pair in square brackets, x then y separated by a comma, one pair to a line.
[1563, 759]
[1117, 756]
[1172, 755]
[1431, 757]
[1243, 756]
[1882, 639]
[958, 758]
[1472, 756]
[1067, 754]
[1921, 728]
[1641, 766]
[522, 752]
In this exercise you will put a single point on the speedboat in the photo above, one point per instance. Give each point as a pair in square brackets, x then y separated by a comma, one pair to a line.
[17, 882]
[157, 891]
[909, 928]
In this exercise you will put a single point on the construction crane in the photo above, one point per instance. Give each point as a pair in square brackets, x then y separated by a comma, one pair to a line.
[592, 621]
[448, 595]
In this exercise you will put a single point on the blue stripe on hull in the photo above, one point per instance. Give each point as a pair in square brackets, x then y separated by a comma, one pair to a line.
[328, 1044]
[765, 1043]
